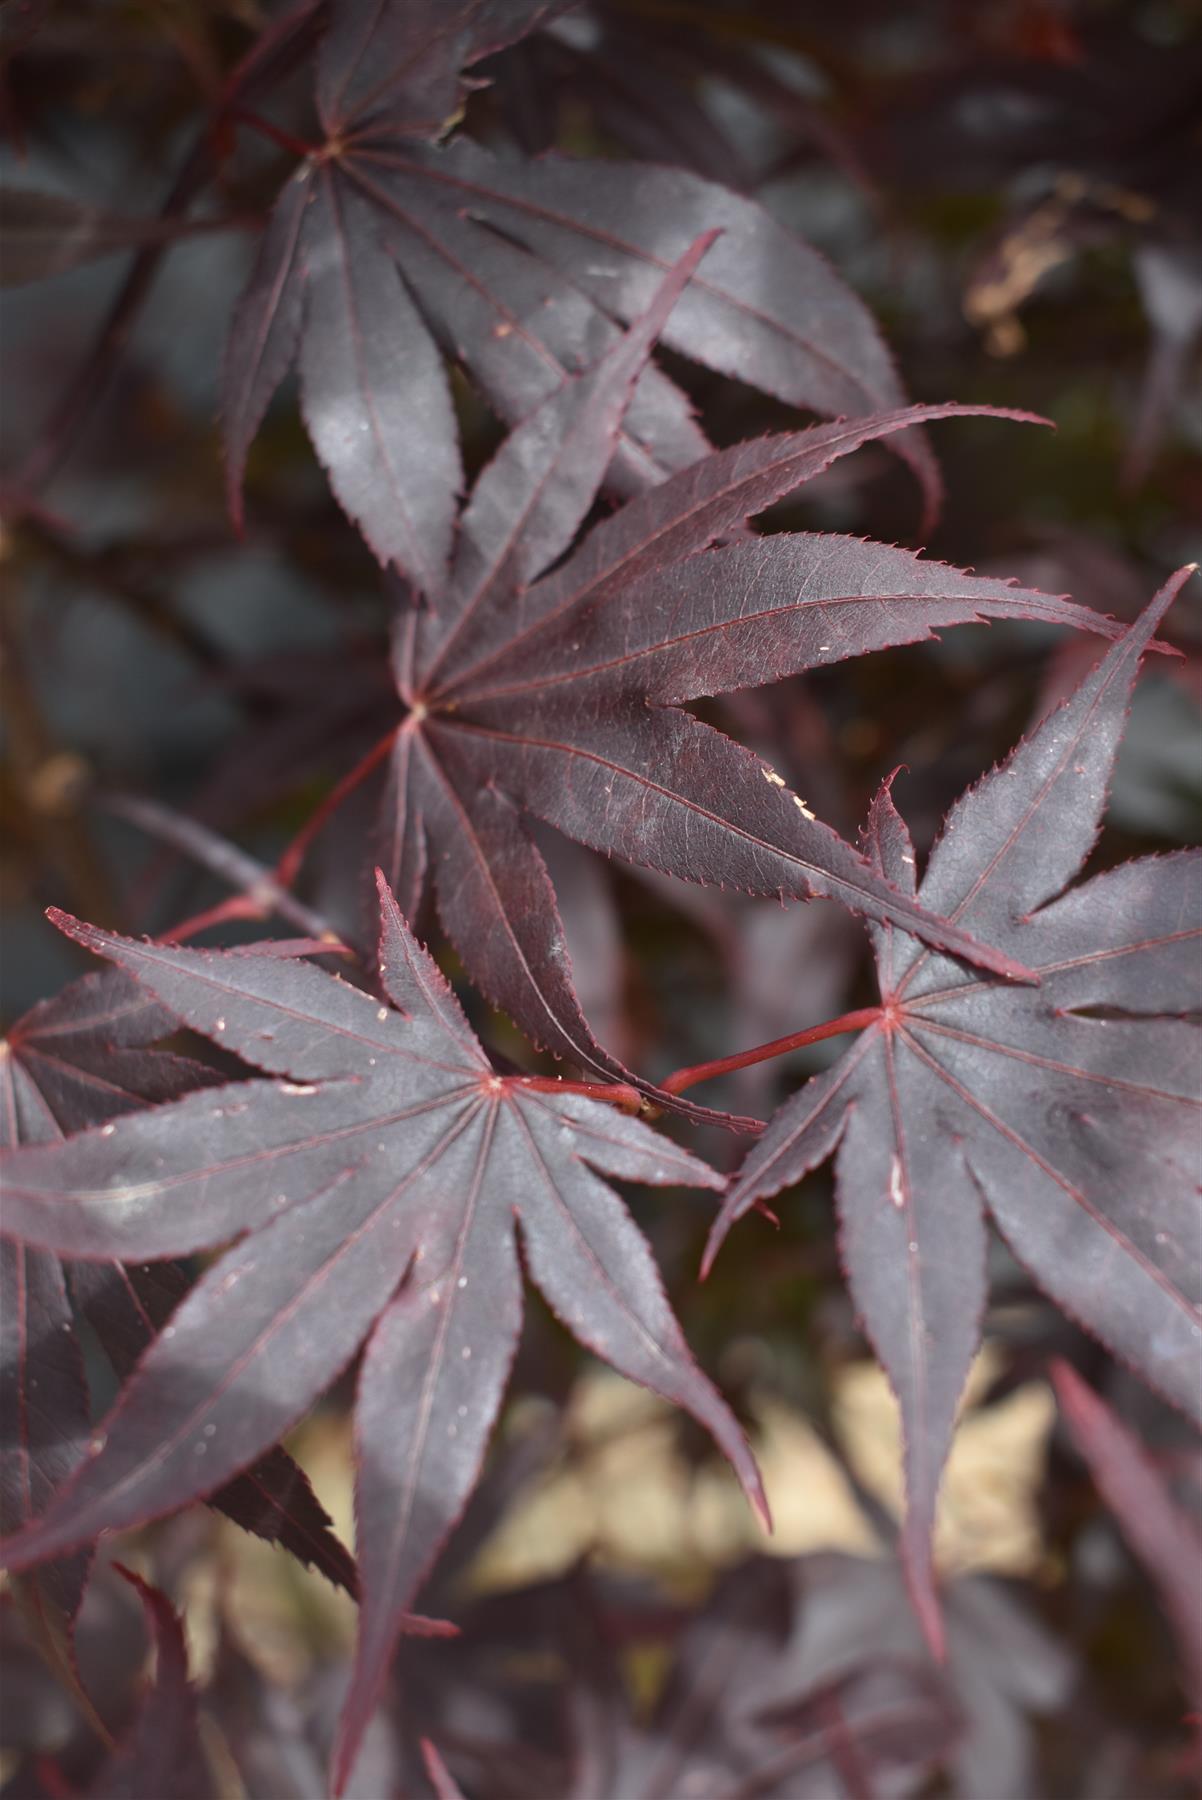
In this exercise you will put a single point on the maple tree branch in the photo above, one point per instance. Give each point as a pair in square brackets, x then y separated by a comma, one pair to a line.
[796, 1040]
[257, 905]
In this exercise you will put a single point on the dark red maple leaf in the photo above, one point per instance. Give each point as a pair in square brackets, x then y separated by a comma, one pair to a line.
[559, 695]
[386, 250]
[79, 1060]
[163, 1753]
[381, 1186]
[1068, 1111]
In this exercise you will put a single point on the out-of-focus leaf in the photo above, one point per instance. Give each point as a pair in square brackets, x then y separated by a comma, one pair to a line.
[385, 244]
[1170, 285]
[163, 1754]
[45, 234]
[1001, 1670]
[1159, 1532]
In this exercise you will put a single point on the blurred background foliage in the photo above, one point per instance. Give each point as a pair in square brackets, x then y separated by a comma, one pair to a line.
[1015, 187]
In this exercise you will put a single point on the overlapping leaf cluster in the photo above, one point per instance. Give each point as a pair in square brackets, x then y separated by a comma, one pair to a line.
[366, 1183]
[390, 247]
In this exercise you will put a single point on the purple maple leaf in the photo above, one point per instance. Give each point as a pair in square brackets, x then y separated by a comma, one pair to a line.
[380, 1185]
[1069, 1111]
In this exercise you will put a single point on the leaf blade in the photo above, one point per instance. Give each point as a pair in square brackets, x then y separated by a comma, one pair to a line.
[431, 1386]
[1078, 1134]
[264, 334]
[743, 321]
[369, 368]
[372, 1197]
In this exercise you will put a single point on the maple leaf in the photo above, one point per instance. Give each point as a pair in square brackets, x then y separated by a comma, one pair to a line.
[880, 1723]
[385, 251]
[1002, 1670]
[557, 696]
[79, 1060]
[878, 1726]
[163, 1753]
[381, 1187]
[1159, 1531]
[441, 1780]
[1068, 1111]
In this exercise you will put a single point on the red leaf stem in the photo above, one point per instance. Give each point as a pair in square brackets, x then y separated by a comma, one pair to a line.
[681, 1079]
[288, 866]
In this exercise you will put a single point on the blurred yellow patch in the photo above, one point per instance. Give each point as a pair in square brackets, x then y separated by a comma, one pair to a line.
[628, 1497]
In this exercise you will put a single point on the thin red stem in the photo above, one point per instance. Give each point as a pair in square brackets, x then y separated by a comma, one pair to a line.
[288, 867]
[239, 906]
[617, 1093]
[681, 1079]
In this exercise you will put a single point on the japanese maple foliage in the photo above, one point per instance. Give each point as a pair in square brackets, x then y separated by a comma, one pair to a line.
[79, 1060]
[388, 247]
[548, 626]
[380, 1184]
[1159, 1530]
[1069, 1110]
[163, 1752]
[559, 695]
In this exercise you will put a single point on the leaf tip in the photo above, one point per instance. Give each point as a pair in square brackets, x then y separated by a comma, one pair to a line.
[1070, 1390]
[701, 244]
[70, 926]
[1172, 587]
[130, 1575]
[759, 1500]
[421, 1625]
[997, 963]
[713, 1244]
[443, 1782]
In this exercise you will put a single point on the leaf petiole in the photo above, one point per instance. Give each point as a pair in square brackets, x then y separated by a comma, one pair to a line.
[796, 1040]
[615, 1093]
[288, 866]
